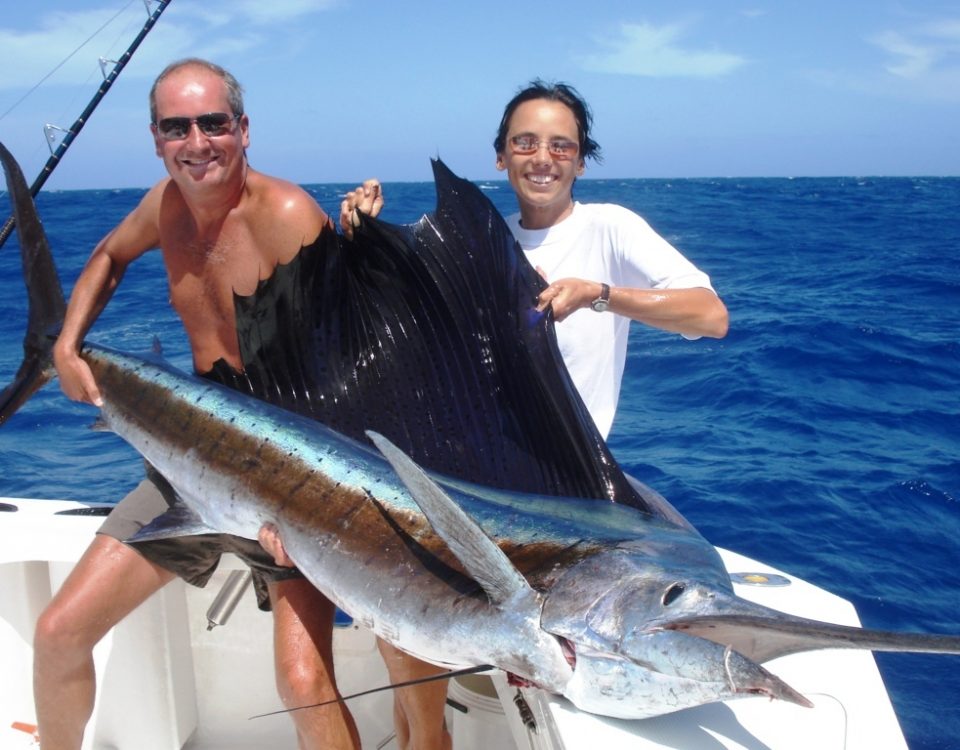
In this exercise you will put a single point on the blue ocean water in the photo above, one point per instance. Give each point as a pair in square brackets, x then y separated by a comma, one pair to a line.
[821, 436]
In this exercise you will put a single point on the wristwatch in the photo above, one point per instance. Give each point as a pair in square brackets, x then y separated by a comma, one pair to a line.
[601, 303]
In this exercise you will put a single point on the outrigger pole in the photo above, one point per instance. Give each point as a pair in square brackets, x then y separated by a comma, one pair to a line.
[77, 126]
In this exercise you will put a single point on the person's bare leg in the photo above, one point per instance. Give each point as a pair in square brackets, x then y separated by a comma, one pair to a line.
[303, 644]
[110, 581]
[418, 711]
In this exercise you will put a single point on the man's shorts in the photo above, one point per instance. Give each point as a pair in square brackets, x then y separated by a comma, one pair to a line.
[192, 558]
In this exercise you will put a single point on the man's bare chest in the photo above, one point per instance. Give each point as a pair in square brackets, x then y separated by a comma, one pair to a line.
[203, 281]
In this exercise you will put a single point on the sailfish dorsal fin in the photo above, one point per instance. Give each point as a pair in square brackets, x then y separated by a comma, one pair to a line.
[429, 334]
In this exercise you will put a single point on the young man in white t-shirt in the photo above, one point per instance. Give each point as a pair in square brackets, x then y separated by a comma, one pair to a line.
[604, 264]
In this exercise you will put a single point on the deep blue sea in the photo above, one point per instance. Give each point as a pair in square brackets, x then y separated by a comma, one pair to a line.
[821, 436]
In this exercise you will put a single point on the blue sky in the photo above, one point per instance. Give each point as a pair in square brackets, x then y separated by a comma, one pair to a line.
[338, 90]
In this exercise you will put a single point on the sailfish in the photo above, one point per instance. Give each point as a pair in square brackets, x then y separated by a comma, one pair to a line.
[404, 418]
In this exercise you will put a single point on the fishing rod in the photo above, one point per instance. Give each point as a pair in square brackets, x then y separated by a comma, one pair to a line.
[77, 126]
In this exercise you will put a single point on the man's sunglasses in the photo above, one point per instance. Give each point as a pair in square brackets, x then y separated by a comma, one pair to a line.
[211, 125]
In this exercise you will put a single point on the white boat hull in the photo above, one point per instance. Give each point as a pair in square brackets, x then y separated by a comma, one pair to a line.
[167, 683]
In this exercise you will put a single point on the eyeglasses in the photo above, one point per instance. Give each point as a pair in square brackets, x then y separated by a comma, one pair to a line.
[559, 148]
[211, 125]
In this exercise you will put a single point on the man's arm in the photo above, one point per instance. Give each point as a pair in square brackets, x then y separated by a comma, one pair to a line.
[101, 275]
[691, 312]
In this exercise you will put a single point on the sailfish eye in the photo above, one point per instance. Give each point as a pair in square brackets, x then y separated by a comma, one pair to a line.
[673, 592]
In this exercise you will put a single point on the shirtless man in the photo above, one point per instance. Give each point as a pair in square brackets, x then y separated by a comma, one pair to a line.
[221, 227]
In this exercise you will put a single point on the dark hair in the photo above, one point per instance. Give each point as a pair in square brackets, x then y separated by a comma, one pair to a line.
[234, 89]
[555, 92]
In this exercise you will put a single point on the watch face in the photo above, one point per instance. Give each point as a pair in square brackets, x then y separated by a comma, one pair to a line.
[602, 302]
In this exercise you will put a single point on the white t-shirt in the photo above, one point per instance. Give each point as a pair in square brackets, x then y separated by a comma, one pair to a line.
[605, 243]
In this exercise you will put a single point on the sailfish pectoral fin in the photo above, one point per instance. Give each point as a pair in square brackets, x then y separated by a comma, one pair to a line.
[179, 520]
[483, 560]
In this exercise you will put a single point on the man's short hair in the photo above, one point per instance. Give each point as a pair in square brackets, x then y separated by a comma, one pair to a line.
[234, 89]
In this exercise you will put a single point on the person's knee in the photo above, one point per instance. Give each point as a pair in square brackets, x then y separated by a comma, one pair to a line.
[300, 683]
[58, 633]
[303, 642]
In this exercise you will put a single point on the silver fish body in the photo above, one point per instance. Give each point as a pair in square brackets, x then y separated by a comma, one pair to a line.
[578, 602]
[548, 613]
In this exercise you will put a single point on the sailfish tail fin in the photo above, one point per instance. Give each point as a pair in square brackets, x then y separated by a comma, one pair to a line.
[44, 293]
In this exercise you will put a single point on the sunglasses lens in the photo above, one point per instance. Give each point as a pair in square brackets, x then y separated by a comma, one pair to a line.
[174, 128]
[216, 123]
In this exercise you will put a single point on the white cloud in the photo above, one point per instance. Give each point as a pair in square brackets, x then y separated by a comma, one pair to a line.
[933, 48]
[642, 49]
[28, 55]
[911, 58]
[922, 64]
[947, 29]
